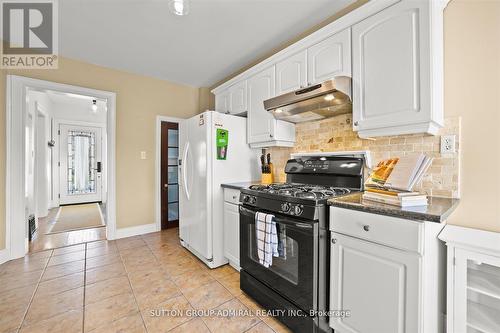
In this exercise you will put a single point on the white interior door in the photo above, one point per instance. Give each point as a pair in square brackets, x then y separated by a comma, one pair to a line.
[80, 164]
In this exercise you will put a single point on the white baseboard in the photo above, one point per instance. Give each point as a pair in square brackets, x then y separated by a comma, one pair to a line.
[134, 231]
[4, 256]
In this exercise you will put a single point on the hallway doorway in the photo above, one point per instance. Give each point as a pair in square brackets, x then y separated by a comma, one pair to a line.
[60, 165]
[65, 177]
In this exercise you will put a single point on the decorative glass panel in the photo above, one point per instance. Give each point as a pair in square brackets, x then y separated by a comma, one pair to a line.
[81, 162]
[173, 211]
[173, 193]
[173, 154]
[173, 138]
[172, 175]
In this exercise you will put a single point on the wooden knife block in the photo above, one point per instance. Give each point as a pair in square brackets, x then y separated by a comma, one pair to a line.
[268, 178]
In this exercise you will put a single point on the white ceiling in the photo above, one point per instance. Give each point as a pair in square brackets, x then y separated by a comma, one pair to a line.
[217, 38]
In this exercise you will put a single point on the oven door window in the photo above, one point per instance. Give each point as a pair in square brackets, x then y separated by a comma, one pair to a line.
[286, 264]
[293, 273]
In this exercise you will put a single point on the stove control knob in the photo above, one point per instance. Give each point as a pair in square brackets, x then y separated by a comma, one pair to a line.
[246, 199]
[252, 200]
[285, 207]
[298, 210]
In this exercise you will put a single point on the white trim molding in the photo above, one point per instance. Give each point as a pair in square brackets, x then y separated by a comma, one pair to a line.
[135, 230]
[159, 120]
[471, 239]
[16, 109]
[4, 256]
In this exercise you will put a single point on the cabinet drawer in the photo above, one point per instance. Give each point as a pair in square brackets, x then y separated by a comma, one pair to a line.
[391, 231]
[232, 196]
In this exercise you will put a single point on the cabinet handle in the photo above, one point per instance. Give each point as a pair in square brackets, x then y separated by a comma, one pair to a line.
[270, 135]
[234, 197]
[334, 241]
[356, 123]
[366, 227]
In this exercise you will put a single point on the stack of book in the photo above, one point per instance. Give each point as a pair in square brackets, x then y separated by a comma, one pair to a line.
[396, 198]
[392, 181]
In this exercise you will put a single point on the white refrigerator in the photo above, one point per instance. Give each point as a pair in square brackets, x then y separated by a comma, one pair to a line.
[203, 167]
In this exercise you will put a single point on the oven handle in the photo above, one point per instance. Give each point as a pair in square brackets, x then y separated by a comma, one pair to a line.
[251, 213]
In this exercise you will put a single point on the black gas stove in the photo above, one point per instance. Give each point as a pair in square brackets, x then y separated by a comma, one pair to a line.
[297, 281]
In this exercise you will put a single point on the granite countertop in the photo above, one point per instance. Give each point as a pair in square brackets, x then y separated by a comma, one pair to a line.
[437, 210]
[239, 186]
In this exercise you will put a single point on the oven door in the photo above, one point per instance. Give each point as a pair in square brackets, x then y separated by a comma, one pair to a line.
[293, 274]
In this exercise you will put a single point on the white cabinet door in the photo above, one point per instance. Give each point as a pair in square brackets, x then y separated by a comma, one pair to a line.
[222, 103]
[379, 285]
[232, 234]
[391, 66]
[329, 58]
[238, 97]
[261, 124]
[291, 73]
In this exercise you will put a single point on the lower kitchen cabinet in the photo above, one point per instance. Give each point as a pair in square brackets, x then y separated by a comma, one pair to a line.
[232, 227]
[387, 272]
[377, 284]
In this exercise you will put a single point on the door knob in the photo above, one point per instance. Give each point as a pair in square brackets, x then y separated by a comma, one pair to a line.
[366, 227]
[165, 185]
[356, 123]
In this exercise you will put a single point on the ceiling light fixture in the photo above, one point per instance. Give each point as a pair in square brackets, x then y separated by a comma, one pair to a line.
[179, 7]
[94, 105]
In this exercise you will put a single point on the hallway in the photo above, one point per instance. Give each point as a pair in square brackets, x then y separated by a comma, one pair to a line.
[117, 286]
[42, 241]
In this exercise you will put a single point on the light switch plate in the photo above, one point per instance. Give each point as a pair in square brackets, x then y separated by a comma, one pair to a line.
[143, 155]
[447, 144]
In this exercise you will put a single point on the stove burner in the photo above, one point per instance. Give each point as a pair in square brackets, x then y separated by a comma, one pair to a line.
[303, 191]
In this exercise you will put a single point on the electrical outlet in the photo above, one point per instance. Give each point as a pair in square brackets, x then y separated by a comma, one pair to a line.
[143, 155]
[447, 144]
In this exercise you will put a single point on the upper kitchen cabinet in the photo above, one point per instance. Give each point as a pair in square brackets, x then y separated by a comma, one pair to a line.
[238, 97]
[291, 73]
[329, 58]
[222, 103]
[397, 70]
[263, 129]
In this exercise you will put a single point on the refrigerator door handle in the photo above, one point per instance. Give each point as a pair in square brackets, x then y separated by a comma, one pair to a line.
[184, 172]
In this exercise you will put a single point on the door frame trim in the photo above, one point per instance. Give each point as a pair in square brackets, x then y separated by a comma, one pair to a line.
[58, 122]
[16, 241]
[159, 120]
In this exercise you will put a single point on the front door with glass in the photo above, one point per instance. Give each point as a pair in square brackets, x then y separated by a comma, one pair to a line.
[80, 164]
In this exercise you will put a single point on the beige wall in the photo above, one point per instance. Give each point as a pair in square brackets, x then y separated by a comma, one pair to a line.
[139, 100]
[472, 91]
[207, 100]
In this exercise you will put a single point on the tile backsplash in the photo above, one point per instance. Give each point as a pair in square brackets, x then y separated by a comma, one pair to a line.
[336, 134]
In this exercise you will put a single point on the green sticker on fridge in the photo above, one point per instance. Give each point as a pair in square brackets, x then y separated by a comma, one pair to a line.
[222, 140]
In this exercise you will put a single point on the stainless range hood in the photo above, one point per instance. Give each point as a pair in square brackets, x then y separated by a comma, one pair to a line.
[316, 102]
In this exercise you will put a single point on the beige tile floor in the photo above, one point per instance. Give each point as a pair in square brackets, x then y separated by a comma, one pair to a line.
[124, 286]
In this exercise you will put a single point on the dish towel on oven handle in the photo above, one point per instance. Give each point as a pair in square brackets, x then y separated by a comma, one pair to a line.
[267, 238]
